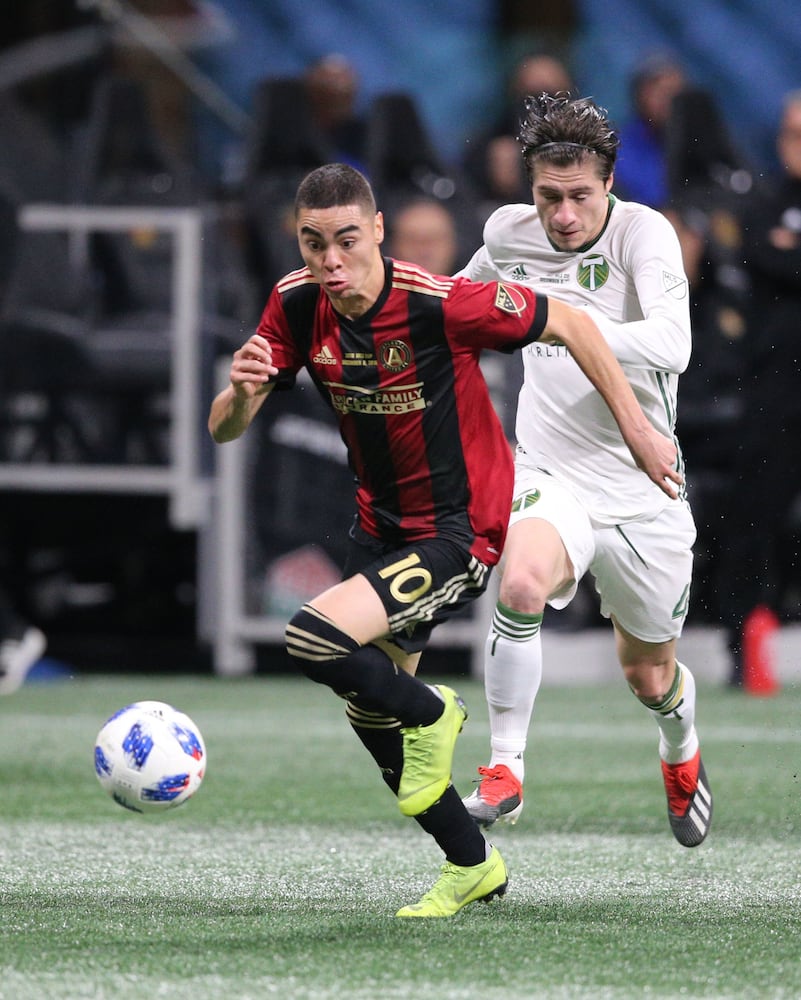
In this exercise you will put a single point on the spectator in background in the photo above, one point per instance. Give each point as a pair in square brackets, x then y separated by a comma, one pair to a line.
[709, 181]
[641, 173]
[709, 417]
[761, 545]
[493, 163]
[332, 86]
[423, 231]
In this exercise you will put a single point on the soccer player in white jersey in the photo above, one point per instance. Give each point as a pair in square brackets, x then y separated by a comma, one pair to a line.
[580, 503]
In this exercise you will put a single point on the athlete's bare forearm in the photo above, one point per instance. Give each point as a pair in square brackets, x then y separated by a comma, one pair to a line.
[233, 409]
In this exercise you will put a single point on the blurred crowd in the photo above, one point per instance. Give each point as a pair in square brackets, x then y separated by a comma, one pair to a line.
[83, 333]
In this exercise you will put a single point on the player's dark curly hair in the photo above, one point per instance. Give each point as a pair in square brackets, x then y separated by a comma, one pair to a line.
[562, 130]
[332, 185]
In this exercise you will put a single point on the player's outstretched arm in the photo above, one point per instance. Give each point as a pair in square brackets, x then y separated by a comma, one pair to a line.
[654, 453]
[234, 408]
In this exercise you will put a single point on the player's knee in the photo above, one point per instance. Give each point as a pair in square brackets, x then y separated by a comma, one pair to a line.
[315, 644]
[650, 682]
[523, 590]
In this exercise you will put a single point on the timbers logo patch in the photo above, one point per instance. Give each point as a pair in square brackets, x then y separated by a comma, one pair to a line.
[524, 501]
[510, 299]
[593, 272]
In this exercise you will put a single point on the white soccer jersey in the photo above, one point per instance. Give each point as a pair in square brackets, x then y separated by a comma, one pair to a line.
[631, 280]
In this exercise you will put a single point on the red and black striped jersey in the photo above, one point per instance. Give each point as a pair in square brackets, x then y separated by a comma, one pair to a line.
[405, 384]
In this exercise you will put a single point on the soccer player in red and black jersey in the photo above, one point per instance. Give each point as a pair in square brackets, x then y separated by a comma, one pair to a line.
[395, 352]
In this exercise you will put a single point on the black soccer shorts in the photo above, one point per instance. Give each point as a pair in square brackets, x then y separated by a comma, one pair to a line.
[421, 584]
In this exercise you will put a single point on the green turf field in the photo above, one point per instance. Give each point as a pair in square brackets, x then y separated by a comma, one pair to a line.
[282, 876]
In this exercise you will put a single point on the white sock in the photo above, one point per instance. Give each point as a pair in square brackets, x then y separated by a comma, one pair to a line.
[675, 717]
[512, 675]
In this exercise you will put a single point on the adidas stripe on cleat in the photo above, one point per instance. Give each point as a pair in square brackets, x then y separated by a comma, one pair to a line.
[457, 886]
[499, 797]
[689, 800]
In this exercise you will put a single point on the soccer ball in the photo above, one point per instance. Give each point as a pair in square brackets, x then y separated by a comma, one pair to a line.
[150, 757]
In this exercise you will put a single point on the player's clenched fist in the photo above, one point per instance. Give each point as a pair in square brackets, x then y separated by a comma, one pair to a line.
[233, 409]
[252, 366]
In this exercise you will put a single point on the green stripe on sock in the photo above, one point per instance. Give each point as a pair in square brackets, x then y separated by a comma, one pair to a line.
[516, 626]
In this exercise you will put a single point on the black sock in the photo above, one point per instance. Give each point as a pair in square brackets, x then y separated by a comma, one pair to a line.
[447, 821]
[381, 686]
[454, 829]
[364, 675]
[382, 738]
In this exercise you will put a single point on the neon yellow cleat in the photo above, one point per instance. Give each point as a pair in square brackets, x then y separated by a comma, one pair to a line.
[457, 886]
[428, 756]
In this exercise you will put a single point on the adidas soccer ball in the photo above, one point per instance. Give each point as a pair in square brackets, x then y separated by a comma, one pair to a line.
[150, 757]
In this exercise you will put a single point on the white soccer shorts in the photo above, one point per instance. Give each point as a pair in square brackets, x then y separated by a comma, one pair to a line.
[642, 569]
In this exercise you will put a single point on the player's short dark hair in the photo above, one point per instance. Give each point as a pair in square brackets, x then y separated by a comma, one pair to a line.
[562, 130]
[332, 185]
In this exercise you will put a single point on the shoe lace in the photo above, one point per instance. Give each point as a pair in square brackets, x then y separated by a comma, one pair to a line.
[492, 773]
[683, 777]
[681, 781]
[501, 784]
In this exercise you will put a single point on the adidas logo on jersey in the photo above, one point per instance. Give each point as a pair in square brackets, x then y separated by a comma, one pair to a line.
[519, 272]
[324, 357]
